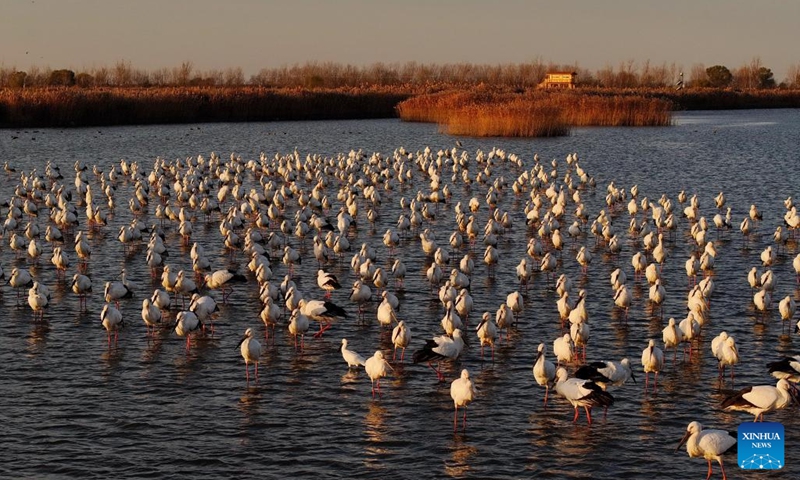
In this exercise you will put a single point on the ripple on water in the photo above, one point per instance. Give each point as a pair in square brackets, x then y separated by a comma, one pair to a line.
[148, 409]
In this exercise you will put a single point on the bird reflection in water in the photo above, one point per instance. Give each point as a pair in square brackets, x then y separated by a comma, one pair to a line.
[111, 359]
[299, 366]
[459, 464]
[350, 378]
[153, 349]
[541, 433]
[650, 409]
[250, 406]
[37, 338]
[187, 364]
[374, 427]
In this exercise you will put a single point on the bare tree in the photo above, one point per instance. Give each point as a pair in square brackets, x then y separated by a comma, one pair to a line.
[183, 74]
[793, 76]
[233, 77]
[697, 76]
[122, 74]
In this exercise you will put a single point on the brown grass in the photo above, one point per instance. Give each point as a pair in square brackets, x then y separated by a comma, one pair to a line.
[75, 107]
[492, 112]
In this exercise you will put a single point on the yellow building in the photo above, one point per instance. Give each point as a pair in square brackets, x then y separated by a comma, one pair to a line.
[559, 80]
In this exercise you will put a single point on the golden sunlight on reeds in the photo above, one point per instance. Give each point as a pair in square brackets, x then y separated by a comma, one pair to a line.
[532, 114]
[617, 111]
[516, 118]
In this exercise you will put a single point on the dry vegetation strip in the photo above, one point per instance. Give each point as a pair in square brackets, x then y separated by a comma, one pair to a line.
[72, 107]
[532, 114]
[460, 109]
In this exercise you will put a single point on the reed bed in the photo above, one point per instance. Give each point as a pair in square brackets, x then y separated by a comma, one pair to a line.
[710, 98]
[534, 113]
[516, 118]
[464, 109]
[617, 111]
[76, 107]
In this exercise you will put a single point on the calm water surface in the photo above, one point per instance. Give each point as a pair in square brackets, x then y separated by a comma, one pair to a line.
[73, 408]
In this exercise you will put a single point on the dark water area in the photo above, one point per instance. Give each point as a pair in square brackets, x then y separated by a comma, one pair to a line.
[72, 407]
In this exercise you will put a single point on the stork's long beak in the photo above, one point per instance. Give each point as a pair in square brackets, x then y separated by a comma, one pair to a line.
[633, 377]
[480, 325]
[683, 440]
[241, 341]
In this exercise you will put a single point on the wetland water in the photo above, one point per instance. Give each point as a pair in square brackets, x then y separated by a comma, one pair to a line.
[73, 408]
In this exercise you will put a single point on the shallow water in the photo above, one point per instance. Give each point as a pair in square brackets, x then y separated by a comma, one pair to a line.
[73, 407]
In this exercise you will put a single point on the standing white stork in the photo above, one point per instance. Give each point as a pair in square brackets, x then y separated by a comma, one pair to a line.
[151, 315]
[440, 348]
[386, 313]
[298, 326]
[323, 312]
[562, 349]
[787, 307]
[723, 347]
[360, 295]
[623, 298]
[38, 301]
[544, 371]
[579, 332]
[692, 267]
[582, 393]
[672, 337]
[20, 278]
[709, 444]
[82, 286]
[114, 291]
[204, 307]
[111, 319]
[251, 352]
[761, 399]
[652, 361]
[607, 373]
[487, 332]
[401, 337]
[463, 392]
[377, 367]
[185, 323]
[221, 279]
[186, 286]
[584, 258]
[514, 302]
[161, 299]
[328, 282]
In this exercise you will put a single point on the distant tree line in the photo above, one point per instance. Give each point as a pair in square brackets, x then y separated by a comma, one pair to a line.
[752, 75]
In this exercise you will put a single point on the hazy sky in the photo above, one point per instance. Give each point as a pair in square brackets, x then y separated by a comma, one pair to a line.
[253, 34]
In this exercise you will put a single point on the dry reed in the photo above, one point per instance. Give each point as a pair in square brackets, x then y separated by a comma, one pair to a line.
[74, 107]
[487, 112]
[471, 110]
